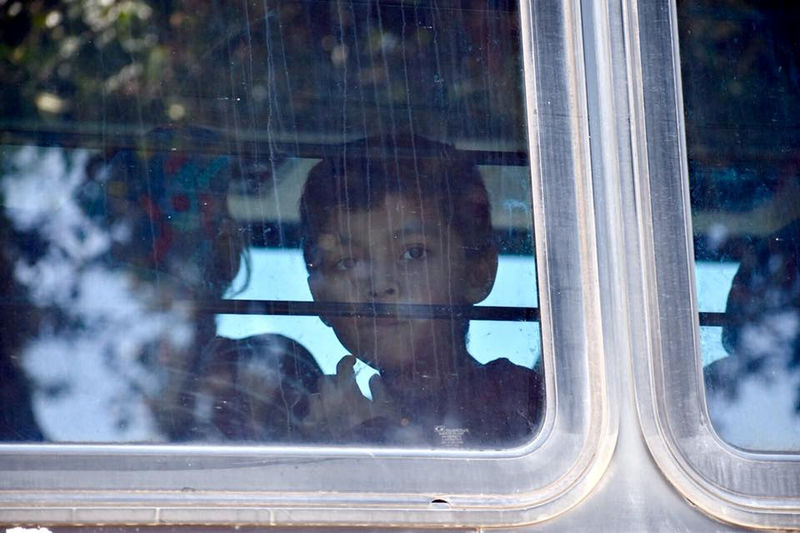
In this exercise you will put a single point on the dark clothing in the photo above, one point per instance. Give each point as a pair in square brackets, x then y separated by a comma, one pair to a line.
[496, 405]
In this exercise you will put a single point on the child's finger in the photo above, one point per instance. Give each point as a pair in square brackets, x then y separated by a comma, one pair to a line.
[380, 395]
[314, 416]
[345, 371]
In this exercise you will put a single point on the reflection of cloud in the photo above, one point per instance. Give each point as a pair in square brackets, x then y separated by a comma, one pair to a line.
[717, 235]
[39, 193]
[762, 416]
[95, 363]
[40, 185]
[773, 337]
[89, 401]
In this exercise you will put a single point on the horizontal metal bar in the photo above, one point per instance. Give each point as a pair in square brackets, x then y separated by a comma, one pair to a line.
[101, 139]
[377, 310]
[714, 319]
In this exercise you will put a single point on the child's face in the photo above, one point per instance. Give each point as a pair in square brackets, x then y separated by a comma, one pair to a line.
[399, 252]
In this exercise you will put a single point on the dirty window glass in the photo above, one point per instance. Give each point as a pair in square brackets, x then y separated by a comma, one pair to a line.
[300, 222]
[740, 65]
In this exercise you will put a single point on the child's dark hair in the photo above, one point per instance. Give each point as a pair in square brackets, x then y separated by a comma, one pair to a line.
[361, 175]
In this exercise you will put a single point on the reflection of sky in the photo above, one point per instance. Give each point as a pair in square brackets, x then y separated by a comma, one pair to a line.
[277, 274]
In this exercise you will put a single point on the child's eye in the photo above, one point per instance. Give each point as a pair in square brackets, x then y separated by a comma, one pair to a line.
[414, 253]
[345, 263]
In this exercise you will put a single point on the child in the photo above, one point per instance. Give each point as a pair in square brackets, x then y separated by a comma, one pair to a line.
[406, 220]
[183, 245]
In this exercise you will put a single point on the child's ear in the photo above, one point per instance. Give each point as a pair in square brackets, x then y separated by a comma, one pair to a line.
[480, 275]
[317, 293]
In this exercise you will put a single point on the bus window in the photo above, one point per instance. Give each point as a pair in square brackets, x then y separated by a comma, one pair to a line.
[740, 67]
[192, 226]
[275, 264]
[715, 393]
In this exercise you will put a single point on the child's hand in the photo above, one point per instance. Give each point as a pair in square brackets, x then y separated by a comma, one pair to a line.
[339, 408]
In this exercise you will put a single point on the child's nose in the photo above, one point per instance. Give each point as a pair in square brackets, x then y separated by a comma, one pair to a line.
[384, 285]
[384, 290]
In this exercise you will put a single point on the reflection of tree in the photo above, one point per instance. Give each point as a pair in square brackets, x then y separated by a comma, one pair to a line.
[286, 68]
[93, 381]
[740, 68]
[740, 64]
[763, 338]
[119, 251]
[16, 416]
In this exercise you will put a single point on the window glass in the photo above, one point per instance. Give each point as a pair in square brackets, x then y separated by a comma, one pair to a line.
[740, 65]
[303, 222]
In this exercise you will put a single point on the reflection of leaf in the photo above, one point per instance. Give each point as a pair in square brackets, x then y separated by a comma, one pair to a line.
[739, 63]
[128, 62]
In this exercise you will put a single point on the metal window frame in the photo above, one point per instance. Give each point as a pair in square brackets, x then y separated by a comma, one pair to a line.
[742, 487]
[269, 485]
